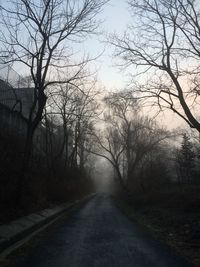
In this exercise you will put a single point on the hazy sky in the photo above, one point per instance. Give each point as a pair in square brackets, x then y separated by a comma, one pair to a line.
[115, 17]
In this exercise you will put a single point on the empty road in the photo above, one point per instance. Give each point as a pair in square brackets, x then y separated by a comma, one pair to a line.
[98, 235]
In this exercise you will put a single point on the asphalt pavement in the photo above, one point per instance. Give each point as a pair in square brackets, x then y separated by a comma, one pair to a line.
[99, 235]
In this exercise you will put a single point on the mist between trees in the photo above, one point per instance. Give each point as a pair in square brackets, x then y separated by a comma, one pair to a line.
[56, 122]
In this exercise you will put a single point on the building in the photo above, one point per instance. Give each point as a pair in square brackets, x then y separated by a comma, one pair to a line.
[15, 104]
[15, 107]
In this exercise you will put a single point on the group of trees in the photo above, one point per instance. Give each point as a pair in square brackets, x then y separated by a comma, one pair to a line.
[39, 36]
[68, 121]
[58, 165]
[130, 140]
[73, 110]
[144, 156]
[160, 48]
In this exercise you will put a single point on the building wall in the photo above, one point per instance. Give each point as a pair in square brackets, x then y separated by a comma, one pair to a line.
[12, 123]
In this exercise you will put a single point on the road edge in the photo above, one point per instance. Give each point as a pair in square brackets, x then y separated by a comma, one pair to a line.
[19, 231]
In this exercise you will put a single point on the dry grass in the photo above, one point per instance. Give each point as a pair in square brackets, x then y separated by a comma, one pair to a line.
[173, 217]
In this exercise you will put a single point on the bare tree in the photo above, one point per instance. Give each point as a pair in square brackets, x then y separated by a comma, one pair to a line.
[76, 109]
[62, 105]
[86, 113]
[39, 36]
[107, 144]
[163, 45]
[128, 137]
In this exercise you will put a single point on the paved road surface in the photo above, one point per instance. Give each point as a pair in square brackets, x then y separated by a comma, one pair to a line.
[99, 235]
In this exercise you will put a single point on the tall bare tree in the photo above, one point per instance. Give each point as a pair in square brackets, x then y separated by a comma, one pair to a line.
[162, 44]
[39, 36]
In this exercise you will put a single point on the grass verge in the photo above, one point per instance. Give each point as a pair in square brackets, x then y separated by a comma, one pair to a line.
[175, 222]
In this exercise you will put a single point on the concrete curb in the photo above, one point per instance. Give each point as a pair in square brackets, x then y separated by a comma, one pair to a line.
[21, 228]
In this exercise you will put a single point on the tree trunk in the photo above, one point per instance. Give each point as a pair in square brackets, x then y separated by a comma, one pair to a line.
[22, 179]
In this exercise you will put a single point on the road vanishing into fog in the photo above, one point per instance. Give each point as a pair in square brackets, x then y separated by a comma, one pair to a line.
[98, 235]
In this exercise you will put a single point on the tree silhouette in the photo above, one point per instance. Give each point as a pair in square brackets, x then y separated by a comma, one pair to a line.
[39, 36]
[162, 47]
[186, 159]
